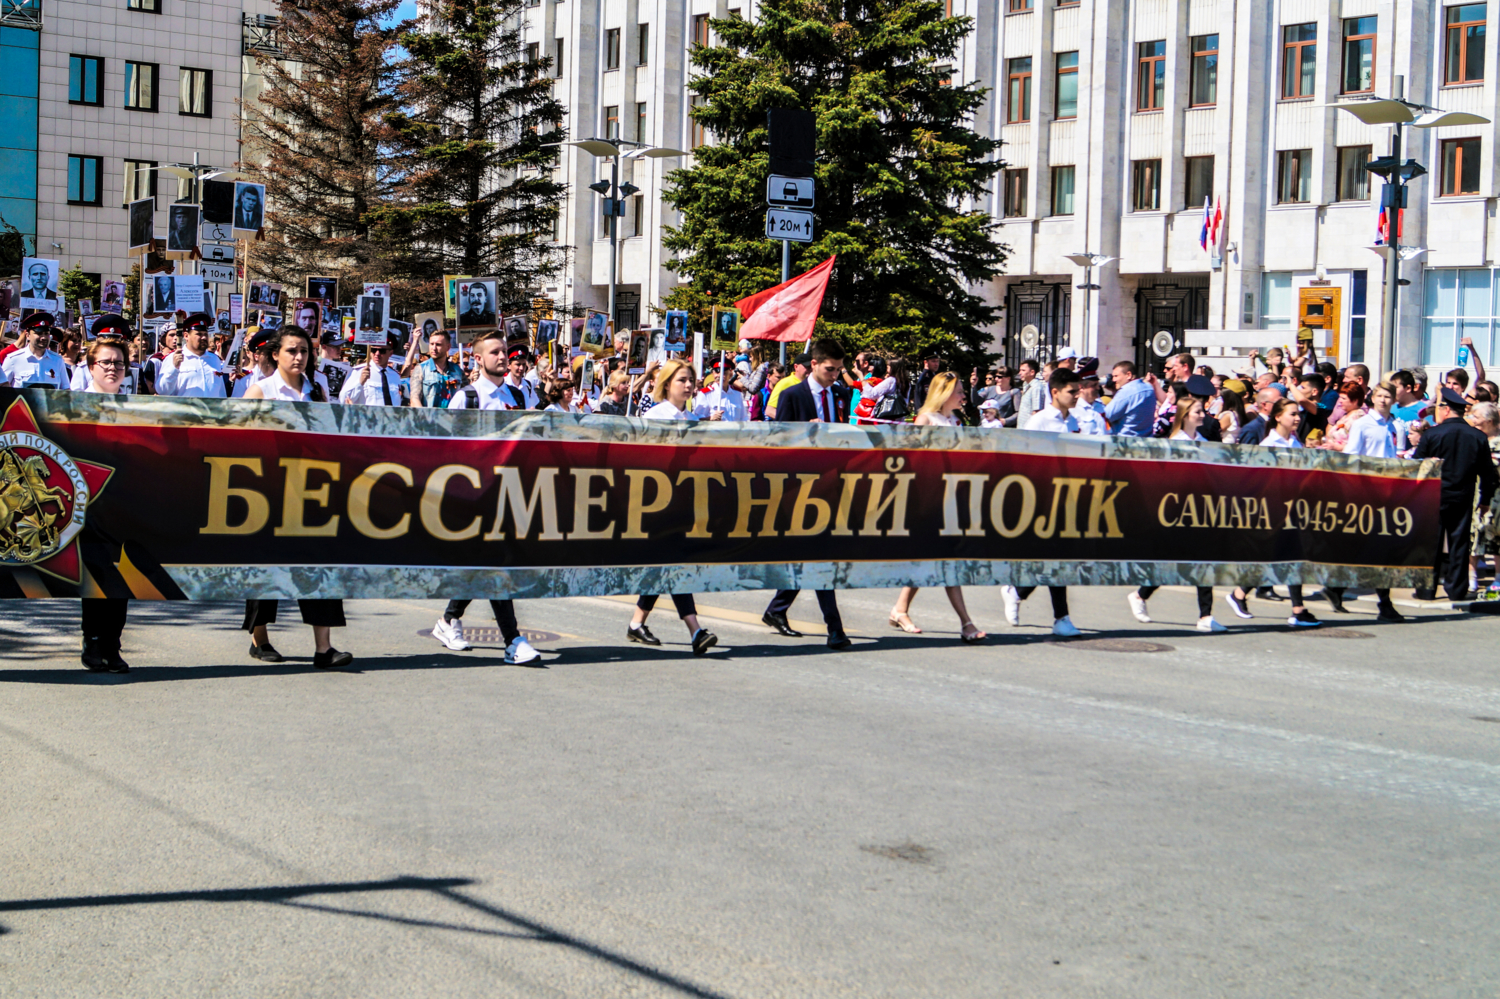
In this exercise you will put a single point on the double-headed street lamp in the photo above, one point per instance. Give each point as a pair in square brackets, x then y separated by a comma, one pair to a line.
[613, 192]
[1398, 111]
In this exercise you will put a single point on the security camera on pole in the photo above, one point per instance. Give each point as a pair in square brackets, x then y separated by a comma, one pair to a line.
[794, 141]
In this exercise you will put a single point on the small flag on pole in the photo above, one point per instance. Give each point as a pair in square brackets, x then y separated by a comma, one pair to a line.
[1208, 211]
[1213, 235]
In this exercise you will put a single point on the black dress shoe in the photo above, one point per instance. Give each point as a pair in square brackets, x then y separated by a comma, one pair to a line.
[1336, 600]
[332, 659]
[777, 622]
[703, 641]
[266, 653]
[642, 635]
[838, 640]
[1388, 612]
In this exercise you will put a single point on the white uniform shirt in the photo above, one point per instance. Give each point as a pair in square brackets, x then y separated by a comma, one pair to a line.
[199, 376]
[490, 396]
[1275, 440]
[666, 411]
[372, 392]
[1051, 420]
[273, 387]
[23, 368]
[1090, 419]
[251, 377]
[521, 396]
[731, 401]
[1372, 436]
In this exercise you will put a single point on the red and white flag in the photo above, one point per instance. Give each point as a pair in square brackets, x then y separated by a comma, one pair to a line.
[789, 310]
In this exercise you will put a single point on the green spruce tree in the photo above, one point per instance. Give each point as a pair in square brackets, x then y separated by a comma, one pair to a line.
[476, 194]
[898, 163]
[76, 286]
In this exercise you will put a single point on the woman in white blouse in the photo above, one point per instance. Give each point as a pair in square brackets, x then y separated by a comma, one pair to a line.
[291, 350]
[673, 395]
[1285, 415]
[945, 397]
[1187, 421]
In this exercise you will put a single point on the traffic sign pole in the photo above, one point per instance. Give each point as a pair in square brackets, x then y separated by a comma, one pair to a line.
[786, 275]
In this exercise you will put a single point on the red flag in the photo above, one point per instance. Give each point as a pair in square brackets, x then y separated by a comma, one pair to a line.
[787, 311]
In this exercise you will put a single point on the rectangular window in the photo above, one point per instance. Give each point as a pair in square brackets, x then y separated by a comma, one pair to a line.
[612, 121]
[533, 53]
[1151, 76]
[557, 57]
[1359, 54]
[1204, 84]
[1145, 186]
[1463, 58]
[1458, 304]
[1276, 300]
[140, 180]
[700, 29]
[1066, 93]
[83, 179]
[638, 215]
[195, 95]
[1460, 167]
[697, 135]
[140, 86]
[1062, 190]
[1293, 176]
[147, 6]
[1017, 6]
[1200, 180]
[1018, 108]
[1299, 60]
[1359, 282]
[640, 121]
[612, 48]
[85, 76]
[642, 44]
[1354, 179]
[1015, 193]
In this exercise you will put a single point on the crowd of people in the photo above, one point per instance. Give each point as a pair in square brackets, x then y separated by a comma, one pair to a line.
[1279, 399]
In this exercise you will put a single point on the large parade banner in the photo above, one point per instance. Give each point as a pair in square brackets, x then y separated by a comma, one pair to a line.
[223, 499]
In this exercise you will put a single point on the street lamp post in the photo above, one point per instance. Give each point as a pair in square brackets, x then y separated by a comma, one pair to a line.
[1397, 111]
[1088, 261]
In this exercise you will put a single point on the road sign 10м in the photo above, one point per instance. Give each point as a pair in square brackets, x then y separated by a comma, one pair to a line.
[784, 224]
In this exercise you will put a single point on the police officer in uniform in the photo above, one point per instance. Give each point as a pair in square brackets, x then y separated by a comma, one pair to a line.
[1465, 451]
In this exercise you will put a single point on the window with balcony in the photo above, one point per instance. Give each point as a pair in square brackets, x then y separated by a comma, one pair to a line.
[1463, 48]
[195, 94]
[1151, 76]
[140, 85]
[1018, 107]
[1062, 190]
[1353, 178]
[1017, 6]
[83, 180]
[1299, 60]
[1145, 186]
[1015, 193]
[1460, 167]
[1203, 83]
[1293, 176]
[1359, 55]
[85, 80]
[1200, 180]
[140, 180]
[612, 48]
[1065, 91]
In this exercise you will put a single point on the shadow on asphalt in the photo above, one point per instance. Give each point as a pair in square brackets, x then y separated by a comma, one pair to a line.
[518, 927]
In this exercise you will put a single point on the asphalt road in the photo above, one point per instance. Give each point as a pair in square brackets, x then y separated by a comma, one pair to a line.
[1259, 813]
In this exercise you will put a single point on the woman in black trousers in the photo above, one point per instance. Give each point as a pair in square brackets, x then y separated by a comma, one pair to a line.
[320, 614]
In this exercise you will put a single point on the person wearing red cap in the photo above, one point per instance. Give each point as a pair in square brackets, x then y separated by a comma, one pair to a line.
[37, 366]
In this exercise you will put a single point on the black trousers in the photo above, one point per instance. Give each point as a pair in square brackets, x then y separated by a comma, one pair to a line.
[103, 620]
[1059, 595]
[827, 602]
[1205, 597]
[318, 613]
[1452, 568]
[505, 616]
[684, 603]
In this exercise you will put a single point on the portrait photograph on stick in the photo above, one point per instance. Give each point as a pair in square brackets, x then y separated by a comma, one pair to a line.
[677, 331]
[575, 336]
[163, 293]
[596, 339]
[308, 314]
[112, 297]
[726, 330]
[39, 284]
[218, 201]
[142, 225]
[517, 329]
[249, 209]
[656, 346]
[372, 314]
[182, 229]
[324, 289]
[546, 333]
[476, 298]
[636, 358]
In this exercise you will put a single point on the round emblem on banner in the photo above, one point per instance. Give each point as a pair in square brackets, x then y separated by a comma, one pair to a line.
[1030, 336]
[1162, 343]
[43, 498]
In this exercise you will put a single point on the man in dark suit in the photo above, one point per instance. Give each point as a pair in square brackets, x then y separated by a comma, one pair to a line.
[1466, 460]
[822, 398]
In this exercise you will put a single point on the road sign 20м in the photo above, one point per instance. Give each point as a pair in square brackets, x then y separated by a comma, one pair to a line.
[783, 224]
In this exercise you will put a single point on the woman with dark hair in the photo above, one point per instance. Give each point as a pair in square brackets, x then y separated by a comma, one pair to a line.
[291, 349]
[897, 383]
[1231, 416]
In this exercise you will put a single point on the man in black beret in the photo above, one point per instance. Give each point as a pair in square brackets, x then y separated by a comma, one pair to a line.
[1466, 461]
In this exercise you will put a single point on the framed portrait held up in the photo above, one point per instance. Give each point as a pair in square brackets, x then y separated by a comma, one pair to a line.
[476, 301]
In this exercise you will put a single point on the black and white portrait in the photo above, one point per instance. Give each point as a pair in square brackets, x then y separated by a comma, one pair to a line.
[656, 350]
[476, 304]
[270, 320]
[218, 201]
[377, 288]
[636, 362]
[182, 228]
[546, 332]
[428, 323]
[163, 294]
[596, 333]
[86, 307]
[249, 206]
[225, 326]
[726, 335]
[307, 313]
[39, 284]
[517, 329]
[142, 224]
[324, 289]
[112, 297]
[676, 331]
[372, 312]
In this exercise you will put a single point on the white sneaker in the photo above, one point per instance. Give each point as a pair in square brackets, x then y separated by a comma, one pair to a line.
[1138, 608]
[520, 651]
[1208, 624]
[451, 634]
[1012, 605]
[1064, 627]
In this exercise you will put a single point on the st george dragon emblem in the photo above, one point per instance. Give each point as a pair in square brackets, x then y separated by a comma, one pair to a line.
[44, 497]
